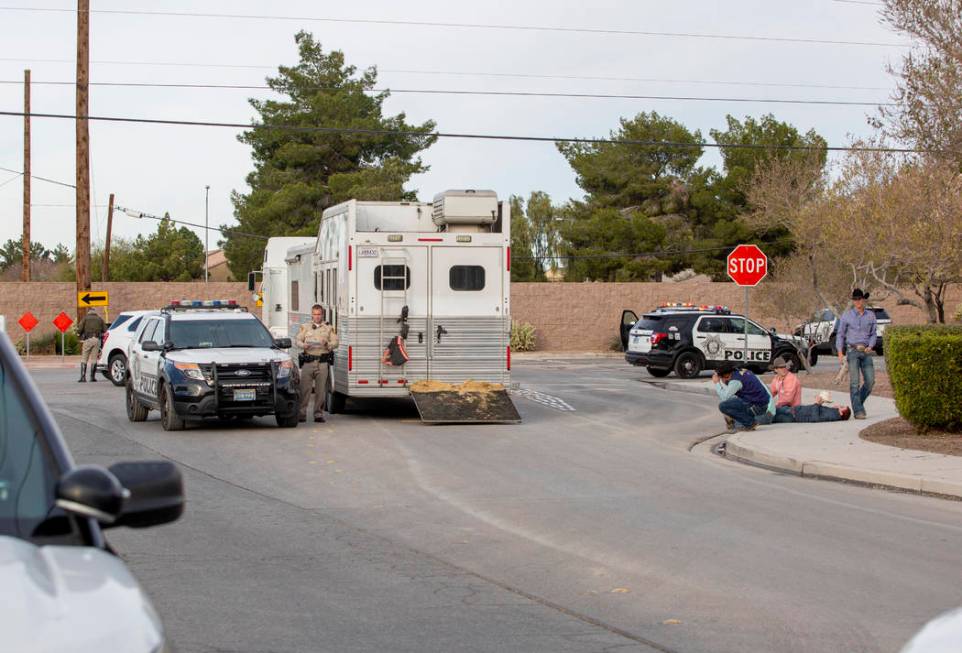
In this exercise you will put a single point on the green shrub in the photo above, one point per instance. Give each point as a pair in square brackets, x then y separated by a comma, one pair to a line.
[49, 344]
[523, 336]
[925, 368]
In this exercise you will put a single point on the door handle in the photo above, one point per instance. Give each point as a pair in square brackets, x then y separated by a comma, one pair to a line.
[441, 331]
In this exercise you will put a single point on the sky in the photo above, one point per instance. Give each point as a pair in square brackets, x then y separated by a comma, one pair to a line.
[166, 168]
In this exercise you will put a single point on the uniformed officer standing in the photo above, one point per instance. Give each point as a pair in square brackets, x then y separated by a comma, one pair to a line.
[317, 340]
[91, 330]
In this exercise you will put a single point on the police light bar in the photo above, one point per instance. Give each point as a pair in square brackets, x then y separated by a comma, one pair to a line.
[203, 303]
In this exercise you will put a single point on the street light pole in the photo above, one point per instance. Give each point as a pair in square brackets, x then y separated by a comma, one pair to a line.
[206, 232]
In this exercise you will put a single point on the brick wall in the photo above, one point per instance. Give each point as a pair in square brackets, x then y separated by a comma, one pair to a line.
[585, 316]
[45, 299]
[567, 316]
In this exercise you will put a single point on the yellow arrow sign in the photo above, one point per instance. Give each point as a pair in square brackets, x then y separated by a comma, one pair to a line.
[88, 298]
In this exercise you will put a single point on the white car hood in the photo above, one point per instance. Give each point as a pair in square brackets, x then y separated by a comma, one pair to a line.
[228, 355]
[72, 598]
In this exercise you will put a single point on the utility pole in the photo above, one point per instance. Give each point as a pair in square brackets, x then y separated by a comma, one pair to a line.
[105, 271]
[83, 151]
[206, 232]
[25, 272]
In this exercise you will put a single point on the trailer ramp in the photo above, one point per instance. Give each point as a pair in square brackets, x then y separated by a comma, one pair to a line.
[471, 402]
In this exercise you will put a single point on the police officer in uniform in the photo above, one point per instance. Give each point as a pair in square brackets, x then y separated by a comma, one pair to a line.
[90, 329]
[317, 340]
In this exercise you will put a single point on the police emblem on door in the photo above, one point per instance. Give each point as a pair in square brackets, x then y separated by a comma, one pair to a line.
[713, 346]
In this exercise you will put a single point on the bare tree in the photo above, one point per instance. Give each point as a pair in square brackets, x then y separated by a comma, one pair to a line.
[928, 96]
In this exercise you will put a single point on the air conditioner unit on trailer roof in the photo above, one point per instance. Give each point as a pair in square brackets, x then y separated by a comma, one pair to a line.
[465, 207]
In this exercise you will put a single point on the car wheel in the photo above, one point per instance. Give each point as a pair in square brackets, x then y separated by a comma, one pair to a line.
[169, 419]
[813, 359]
[689, 364]
[136, 411]
[658, 372]
[286, 420]
[117, 369]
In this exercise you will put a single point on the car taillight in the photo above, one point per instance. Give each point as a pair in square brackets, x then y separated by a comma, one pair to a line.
[658, 337]
[103, 339]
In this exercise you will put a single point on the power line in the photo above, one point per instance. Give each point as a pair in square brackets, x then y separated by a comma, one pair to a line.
[483, 26]
[11, 180]
[49, 181]
[469, 73]
[194, 224]
[470, 136]
[422, 91]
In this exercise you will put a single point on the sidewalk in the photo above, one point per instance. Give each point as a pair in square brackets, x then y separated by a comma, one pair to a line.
[834, 450]
[39, 362]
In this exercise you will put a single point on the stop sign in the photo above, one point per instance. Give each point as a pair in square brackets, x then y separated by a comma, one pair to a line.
[747, 265]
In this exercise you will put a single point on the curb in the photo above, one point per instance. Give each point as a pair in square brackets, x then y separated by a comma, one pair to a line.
[835, 472]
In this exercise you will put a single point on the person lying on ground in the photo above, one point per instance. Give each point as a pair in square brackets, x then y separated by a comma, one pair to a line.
[743, 397]
[819, 412]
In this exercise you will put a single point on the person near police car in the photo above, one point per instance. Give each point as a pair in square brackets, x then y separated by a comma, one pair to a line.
[786, 388]
[857, 334]
[317, 341]
[744, 399]
[90, 330]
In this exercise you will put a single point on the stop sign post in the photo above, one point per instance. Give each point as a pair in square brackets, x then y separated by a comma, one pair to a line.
[747, 265]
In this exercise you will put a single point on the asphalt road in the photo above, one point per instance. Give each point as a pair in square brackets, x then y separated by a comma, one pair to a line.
[590, 527]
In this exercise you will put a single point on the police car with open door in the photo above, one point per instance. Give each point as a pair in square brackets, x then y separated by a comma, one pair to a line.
[212, 358]
[688, 339]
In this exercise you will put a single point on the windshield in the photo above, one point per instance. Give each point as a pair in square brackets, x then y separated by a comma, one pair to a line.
[881, 314]
[120, 319]
[27, 475]
[205, 334]
[650, 322]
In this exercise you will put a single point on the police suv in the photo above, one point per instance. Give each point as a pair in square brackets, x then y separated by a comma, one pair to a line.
[687, 339]
[210, 358]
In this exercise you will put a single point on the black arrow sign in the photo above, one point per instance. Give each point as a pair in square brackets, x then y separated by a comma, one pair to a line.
[86, 299]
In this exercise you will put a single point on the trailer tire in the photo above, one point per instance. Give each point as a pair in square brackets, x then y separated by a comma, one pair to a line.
[336, 402]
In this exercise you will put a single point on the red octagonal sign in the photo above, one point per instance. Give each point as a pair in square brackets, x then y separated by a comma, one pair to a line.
[747, 265]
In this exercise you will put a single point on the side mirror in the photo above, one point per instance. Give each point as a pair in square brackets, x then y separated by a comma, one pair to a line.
[91, 491]
[150, 345]
[282, 343]
[251, 281]
[155, 493]
[772, 330]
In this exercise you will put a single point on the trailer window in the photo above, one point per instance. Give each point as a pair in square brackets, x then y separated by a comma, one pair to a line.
[466, 277]
[396, 271]
[295, 299]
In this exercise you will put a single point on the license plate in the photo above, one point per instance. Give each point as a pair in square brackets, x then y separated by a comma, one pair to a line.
[245, 395]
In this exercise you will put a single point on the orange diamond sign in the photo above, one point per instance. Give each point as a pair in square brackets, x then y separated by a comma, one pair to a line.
[28, 321]
[62, 322]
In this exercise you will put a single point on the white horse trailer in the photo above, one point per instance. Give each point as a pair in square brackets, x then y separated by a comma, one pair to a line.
[448, 263]
[274, 283]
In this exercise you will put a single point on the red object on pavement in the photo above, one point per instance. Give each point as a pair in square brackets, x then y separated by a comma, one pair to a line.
[28, 321]
[747, 265]
[62, 322]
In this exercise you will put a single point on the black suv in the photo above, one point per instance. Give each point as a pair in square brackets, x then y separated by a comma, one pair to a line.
[689, 339]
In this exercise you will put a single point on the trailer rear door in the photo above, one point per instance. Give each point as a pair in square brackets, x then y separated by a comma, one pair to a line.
[469, 333]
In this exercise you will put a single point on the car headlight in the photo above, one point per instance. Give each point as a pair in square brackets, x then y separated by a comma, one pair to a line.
[284, 368]
[191, 370]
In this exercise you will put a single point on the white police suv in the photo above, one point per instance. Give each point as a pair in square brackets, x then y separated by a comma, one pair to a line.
[211, 358]
[686, 339]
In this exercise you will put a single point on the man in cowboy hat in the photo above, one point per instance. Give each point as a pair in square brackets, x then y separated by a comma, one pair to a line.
[857, 333]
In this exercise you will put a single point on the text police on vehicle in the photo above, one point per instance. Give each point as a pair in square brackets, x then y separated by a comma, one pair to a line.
[210, 358]
[687, 339]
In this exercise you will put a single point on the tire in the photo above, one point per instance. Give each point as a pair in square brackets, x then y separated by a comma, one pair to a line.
[335, 400]
[658, 372]
[689, 364]
[286, 420]
[169, 419]
[136, 411]
[116, 371]
[814, 359]
[794, 362]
